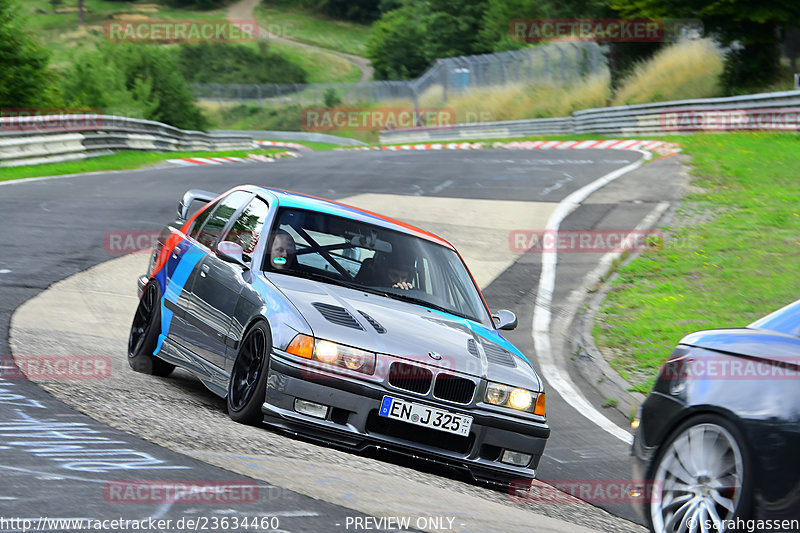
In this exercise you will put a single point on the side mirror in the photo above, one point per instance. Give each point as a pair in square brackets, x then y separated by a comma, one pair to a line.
[505, 319]
[231, 252]
[191, 196]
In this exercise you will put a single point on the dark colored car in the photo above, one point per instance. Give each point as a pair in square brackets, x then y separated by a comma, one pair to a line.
[718, 438]
[343, 326]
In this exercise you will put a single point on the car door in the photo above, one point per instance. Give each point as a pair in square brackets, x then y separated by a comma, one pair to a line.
[179, 268]
[219, 283]
[202, 321]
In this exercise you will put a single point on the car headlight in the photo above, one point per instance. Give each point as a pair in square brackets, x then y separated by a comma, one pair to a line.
[332, 353]
[515, 398]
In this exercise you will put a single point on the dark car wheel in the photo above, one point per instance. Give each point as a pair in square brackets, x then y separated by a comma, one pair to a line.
[247, 386]
[702, 475]
[144, 335]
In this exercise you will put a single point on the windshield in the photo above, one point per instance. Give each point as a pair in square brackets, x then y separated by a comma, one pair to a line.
[367, 257]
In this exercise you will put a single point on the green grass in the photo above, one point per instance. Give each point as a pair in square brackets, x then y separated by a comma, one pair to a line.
[320, 66]
[313, 145]
[118, 161]
[301, 25]
[732, 255]
[60, 33]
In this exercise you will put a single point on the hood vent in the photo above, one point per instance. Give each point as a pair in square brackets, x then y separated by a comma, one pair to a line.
[372, 322]
[472, 348]
[338, 315]
[498, 355]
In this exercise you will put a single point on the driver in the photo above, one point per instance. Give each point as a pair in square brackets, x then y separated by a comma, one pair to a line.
[398, 272]
[282, 251]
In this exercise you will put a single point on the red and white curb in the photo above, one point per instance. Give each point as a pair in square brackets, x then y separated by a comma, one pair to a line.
[436, 146]
[251, 158]
[282, 144]
[659, 147]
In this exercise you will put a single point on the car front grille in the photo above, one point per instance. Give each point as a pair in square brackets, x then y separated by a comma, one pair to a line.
[410, 377]
[454, 388]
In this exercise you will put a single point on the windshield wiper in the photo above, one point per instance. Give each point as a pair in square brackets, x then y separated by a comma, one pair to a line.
[424, 303]
[333, 281]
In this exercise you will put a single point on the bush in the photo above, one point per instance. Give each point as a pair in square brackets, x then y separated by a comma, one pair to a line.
[330, 98]
[135, 81]
[236, 63]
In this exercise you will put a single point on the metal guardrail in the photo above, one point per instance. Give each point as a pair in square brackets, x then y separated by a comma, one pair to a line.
[779, 111]
[32, 140]
[295, 136]
[481, 130]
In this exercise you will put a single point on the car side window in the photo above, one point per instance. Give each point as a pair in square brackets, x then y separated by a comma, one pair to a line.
[197, 225]
[212, 230]
[248, 225]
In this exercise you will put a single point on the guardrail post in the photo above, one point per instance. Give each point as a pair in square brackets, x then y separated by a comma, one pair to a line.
[546, 62]
[443, 67]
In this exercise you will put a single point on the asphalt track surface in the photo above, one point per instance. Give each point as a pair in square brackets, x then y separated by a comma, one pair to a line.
[55, 228]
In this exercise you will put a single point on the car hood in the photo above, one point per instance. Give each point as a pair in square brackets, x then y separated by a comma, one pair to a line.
[406, 330]
[760, 343]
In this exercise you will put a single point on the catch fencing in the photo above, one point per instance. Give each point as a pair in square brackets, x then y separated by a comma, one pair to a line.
[559, 63]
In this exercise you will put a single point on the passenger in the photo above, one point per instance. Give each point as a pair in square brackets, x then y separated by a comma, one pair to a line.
[282, 251]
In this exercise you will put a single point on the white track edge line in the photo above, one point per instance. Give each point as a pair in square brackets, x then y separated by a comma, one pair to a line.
[557, 378]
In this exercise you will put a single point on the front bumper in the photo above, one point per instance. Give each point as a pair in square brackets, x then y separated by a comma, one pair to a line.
[352, 422]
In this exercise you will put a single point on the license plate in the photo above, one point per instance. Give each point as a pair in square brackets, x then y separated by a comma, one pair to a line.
[422, 415]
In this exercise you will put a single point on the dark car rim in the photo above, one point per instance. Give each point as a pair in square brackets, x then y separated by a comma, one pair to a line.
[247, 369]
[142, 320]
[698, 480]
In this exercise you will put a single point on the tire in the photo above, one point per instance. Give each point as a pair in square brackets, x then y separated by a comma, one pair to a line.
[703, 469]
[248, 383]
[144, 335]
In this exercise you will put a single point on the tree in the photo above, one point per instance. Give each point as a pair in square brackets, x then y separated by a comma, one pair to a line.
[748, 27]
[25, 80]
[397, 45]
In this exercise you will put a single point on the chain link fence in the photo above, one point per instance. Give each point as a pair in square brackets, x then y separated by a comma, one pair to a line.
[558, 64]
